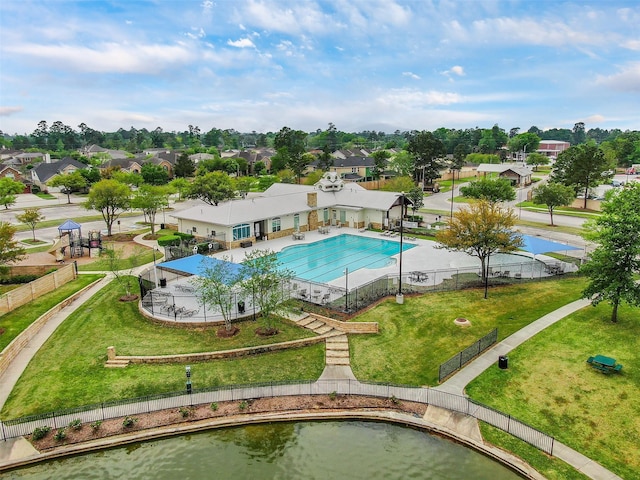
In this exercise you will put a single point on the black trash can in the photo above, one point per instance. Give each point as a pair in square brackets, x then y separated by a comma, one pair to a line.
[162, 226]
[503, 362]
[163, 282]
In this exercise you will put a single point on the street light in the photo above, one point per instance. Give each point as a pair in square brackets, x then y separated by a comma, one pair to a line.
[453, 187]
[399, 296]
[155, 272]
[346, 289]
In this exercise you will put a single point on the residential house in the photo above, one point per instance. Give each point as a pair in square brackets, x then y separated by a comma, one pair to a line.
[130, 165]
[518, 175]
[43, 172]
[552, 148]
[287, 208]
[7, 171]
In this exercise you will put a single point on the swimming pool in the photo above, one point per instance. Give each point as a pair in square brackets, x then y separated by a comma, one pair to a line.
[327, 259]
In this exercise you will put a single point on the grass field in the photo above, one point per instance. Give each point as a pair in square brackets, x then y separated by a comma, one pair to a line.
[69, 369]
[549, 385]
[16, 321]
[415, 338]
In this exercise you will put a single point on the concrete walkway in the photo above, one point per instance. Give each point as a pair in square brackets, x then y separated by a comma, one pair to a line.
[20, 448]
[457, 383]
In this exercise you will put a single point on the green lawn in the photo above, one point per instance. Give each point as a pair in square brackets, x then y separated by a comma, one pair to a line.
[550, 386]
[16, 321]
[69, 369]
[143, 256]
[415, 338]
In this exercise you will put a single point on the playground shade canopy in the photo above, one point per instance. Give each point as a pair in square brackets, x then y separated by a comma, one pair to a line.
[538, 245]
[69, 225]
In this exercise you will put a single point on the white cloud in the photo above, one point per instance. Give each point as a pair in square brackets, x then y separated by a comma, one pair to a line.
[242, 43]
[626, 80]
[207, 5]
[411, 75]
[458, 70]
[412, 97]
[594, 119]
[276, 16]
[108, 57]
[632, 44]
[6, 111]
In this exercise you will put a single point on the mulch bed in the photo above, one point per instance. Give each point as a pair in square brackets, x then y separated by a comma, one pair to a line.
[305, 403]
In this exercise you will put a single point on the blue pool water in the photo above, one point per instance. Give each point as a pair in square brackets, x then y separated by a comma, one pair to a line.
[327, 259]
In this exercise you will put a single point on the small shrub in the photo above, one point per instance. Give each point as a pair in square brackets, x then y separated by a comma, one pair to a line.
[76, 424]
[96, 425]
[169, 241]
[394, 400]
[40, 432]
[60, 435]
[214, 406]
[243, 405]
[333, 395]
[129, 421]
[185, 412]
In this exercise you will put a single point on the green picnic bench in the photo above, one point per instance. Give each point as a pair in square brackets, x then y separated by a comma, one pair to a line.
[604, 364]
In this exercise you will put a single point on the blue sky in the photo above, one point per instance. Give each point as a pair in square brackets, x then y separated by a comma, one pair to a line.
[360, 64]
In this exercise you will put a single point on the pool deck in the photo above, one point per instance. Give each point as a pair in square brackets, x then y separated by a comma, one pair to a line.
[425, 257]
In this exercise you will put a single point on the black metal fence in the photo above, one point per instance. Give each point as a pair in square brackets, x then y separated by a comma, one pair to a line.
[465, 356]
[338, 298]
[136, 406]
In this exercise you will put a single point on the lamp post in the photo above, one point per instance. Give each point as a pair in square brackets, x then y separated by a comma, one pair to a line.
[346, 289]
[155, 272]
[399, 296]
[453, 187]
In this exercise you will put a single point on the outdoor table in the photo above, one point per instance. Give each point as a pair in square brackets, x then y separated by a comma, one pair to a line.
[604, 361]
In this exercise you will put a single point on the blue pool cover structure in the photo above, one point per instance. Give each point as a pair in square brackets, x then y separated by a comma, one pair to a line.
[328, 259]
[194, 264]
[538, 245]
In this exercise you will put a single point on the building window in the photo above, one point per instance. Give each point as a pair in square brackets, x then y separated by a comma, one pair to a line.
[275, 224]
[193, 229]
[296, 222]
[241, 231]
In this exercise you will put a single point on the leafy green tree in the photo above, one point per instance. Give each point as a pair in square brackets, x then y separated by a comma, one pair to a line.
[416, 195]
[71, 182]
[180, 186]
[244, 185]
[133, 179]
[216, 285]
[403, 163]
[399, 184]
[9, 189]
[10, 249]
[150, 199]
[427, 151]
[31, 217]
[264, 279]
[111, 198]
[491, 189]
[116, 264]
[291, 146]
[481, 230]
[615, 263]
[265, 181]
[553, 195]
[535, 159]
[380, 161]
[578, 134]
[325, 159]
[212, 188]
[313, 177]
[582, 167]
[524, 142]
[184, 167]
[91, 175]
[154, 174]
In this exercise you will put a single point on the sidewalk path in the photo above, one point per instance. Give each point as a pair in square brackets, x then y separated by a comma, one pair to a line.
[457, 383]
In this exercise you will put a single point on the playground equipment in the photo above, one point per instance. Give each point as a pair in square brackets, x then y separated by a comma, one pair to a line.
[70, 239]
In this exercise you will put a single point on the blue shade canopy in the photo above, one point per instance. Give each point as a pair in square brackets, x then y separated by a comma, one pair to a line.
[69, 225]
[195, 264]
[538, 245]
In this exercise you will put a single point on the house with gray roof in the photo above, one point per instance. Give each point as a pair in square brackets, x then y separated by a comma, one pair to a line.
[43, 172]
[287, 208]
[517, 174]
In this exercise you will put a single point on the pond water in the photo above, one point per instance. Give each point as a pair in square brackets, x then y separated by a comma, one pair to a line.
[308, 450]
